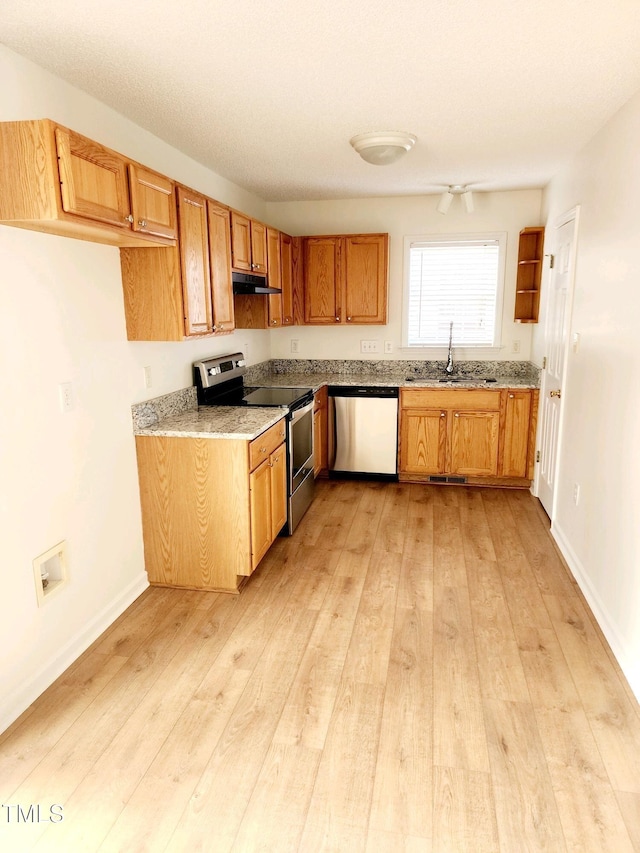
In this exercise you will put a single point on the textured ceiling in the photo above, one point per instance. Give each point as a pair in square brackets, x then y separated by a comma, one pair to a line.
[498, 92]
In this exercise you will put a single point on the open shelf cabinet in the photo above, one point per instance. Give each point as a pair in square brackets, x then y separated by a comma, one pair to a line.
[529, 274]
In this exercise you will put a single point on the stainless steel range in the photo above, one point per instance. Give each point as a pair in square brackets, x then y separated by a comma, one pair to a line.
[220, 382]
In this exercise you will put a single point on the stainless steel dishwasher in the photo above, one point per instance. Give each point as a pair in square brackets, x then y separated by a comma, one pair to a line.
[363, 431]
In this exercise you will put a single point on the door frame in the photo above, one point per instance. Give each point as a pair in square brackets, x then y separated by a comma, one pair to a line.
[571, 214]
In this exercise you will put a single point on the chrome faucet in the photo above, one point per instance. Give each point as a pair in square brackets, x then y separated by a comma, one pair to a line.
[449, 367]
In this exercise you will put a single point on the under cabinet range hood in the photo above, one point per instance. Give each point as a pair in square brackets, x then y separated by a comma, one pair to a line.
[245, 283]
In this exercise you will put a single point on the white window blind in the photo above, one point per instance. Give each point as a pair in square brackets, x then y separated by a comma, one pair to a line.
[453, 281]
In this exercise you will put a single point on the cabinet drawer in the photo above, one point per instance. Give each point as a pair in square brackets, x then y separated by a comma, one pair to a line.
[462, 399]
[262, 446]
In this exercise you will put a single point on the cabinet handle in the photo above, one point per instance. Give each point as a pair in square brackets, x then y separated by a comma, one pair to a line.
[129, 218]
[443, 414]
[263, 450]
[337, 319]
[142, 223]
[511, 396]
[457, 414]
[348, 319]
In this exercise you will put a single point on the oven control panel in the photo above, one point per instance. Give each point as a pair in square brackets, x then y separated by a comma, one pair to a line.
[213, 371]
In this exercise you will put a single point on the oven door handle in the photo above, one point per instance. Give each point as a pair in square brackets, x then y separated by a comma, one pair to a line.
[303, 410]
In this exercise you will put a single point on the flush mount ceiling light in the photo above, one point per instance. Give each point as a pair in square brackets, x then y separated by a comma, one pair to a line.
[383, 147]
[447, 197]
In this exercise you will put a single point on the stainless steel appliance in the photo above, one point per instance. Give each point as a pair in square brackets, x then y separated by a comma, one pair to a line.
[220, 382]
[363, 431]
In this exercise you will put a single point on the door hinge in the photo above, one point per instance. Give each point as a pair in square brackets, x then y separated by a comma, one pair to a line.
[537, 455]
[551, 261]
[544, 362]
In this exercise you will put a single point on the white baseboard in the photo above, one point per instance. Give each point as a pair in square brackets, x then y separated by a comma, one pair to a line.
[626, 659]
[13, 705]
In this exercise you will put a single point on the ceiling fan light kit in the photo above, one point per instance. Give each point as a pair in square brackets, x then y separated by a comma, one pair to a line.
[381, 148]
[447, 197]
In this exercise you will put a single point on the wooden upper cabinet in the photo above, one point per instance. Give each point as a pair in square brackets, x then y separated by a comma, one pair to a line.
[274, 300]
[248, 244]
[194, 262]
[220, 264]
[57, 181]
[286, 279]
[365, 279]
[259, 255]
[93, 180]
[241, 241]
[322, 280]
[185, 290]
[345, 279]
[153, 202]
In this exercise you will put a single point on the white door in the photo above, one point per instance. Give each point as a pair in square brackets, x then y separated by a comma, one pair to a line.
[558, 322]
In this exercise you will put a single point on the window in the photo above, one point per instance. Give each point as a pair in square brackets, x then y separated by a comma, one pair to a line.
[455, 279]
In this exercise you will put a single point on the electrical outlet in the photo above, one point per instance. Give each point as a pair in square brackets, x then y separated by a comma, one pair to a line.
[148, 381]
[576, 493]
[295, 345]
[388, 346]
[369, 346]
[67, 397]
[515, 346]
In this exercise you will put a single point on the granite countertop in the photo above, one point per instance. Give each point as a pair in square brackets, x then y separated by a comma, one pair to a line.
[215, 422]
[317, 380]
[315, 373]
[177, 414]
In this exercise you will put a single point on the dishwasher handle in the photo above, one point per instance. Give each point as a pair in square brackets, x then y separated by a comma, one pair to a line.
[362, 391]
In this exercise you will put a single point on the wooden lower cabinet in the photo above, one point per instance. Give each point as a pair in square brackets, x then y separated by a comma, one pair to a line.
[320, 427]
[211, 508]
[480, 435]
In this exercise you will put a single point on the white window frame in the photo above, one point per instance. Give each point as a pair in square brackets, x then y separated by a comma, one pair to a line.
[435, 349]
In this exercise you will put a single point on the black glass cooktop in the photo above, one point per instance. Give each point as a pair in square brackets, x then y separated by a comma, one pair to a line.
[284, 397]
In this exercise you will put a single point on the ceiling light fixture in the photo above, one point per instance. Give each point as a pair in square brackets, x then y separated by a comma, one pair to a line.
[383, 147]
[447, 197]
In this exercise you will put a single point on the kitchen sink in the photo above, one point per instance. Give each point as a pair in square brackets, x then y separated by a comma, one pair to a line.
[456, 379]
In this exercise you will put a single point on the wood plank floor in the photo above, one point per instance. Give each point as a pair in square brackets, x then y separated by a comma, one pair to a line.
[414, 670]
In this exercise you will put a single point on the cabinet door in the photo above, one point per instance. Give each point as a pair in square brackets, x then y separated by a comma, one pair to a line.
[260, 502]
[93, 180]
[259, 260]
[516, 434]
[322, 290]
[194, 260]
[474, 443]
[365, 278]
[423, 434]
[240, 241]
[278, 495]
[320, 431]
[286, 278]
[220, 264]
[153, 203]
[274, 301]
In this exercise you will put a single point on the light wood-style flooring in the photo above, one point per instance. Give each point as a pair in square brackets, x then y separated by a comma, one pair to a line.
[414, 670]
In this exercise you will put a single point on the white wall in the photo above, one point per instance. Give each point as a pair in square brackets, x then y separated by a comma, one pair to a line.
[400, 217]
[73, 477]
[601, 399]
